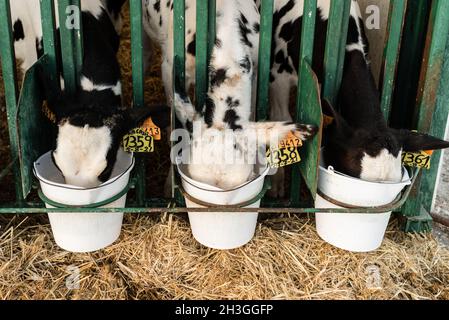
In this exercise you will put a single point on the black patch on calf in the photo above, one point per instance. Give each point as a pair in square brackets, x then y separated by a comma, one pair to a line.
[209, 112]
[217, 77]
[256, 27]
[231, 118]
[232, 103]
[218, 43]
[168, 4]
[18, 32]
[191, 48]
[245, 64]
[353, 32]
[244, 30]
[157, 5]
[115, 6]
[160, 21]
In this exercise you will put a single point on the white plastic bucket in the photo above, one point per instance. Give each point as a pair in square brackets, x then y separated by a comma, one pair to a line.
[354, 232]
[84, 232]
[222, 230]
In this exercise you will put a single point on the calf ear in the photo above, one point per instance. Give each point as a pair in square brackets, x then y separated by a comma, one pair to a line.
[272, 132]
[413, 141]
[159, 114]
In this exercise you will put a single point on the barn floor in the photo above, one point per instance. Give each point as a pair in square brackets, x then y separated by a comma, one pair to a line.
[156, 256]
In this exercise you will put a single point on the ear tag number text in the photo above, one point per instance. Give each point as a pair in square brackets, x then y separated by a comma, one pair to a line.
[138, 141]
[417, 159]
[286, 153]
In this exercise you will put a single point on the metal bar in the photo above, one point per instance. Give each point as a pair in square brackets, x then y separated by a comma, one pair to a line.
[11, 91]
[306, 55]
[68, 20]
[179, 68]
[336, 40]
[428, 108]
[263, 78]
[138, 84]
[391, 53]
[201, 58]
[179, 42]
[49, 40]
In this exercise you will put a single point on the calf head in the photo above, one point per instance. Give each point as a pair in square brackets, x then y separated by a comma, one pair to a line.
[225, 156]
[91, 126]
[359, 142]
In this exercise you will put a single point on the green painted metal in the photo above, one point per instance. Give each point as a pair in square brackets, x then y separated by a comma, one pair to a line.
[138, 84]
[78, 43]
[49, 40]
[68, 20]
[34, 136]
[431, 74]
[263, 78]
[178, 70]
[310, 113]
[10, 80]
[201, 57]
[410, 59]
[306, 56]
[391, 53]
[334, 55]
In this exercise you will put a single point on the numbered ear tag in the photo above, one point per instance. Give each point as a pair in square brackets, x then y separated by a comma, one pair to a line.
[138, 141]
[290, 141]
[417, 159]
[278, 158]
[152, 129]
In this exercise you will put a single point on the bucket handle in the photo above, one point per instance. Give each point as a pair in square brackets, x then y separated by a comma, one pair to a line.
[55, 204]
[259, 196]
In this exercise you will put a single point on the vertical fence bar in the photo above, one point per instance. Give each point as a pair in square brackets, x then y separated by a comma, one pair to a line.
[428, 94]
[391, 53]
[202, 24]
[306, 55]
[138, 84]
[266, 30]
[78, 42]
[48, 21]
[410, 59]
[67, 21]
[336, 40]
[179, 68]
[11, 91]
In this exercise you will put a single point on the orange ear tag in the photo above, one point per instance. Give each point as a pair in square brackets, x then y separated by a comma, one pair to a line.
[152, 129]
[290, 141]
[327, 121]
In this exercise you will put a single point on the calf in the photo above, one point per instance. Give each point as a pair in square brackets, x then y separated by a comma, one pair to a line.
[359, 143]
[91, 121]
[224, 151]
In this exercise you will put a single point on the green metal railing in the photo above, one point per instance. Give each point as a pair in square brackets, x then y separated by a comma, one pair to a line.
[430, 114]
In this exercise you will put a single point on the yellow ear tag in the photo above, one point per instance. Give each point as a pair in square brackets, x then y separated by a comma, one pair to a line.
[327, 121]
[152, 129]
[286, 153]
[417, 159]
[138, 141]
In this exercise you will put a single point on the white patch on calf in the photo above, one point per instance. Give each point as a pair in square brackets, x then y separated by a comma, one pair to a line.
[384, 167]
[88, 85]
[81, 153]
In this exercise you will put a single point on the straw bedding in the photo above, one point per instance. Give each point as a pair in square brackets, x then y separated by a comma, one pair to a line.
[156, 256]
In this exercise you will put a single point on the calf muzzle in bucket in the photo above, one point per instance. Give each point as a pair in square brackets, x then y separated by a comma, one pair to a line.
[357, 232]
[223, 230]
[84, 231]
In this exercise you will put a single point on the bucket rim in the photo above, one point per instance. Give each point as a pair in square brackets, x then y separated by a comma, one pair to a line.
[331, 170]
[71, 187]
[186, 179]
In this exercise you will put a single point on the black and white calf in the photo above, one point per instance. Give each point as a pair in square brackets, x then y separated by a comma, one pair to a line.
[92, 121]
[225, 141]
[359, 143]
